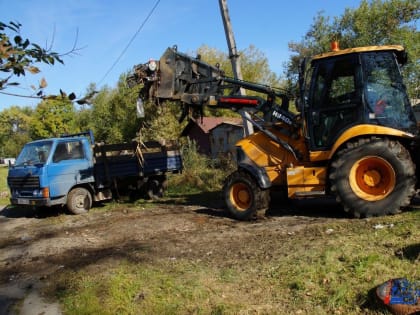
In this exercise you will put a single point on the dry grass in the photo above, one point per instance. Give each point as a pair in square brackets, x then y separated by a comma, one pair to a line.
[4, 190]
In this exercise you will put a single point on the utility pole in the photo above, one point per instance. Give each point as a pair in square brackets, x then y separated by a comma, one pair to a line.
[233, 53]
[236, 64]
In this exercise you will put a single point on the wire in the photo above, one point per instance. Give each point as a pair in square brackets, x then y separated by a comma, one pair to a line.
[130, 42]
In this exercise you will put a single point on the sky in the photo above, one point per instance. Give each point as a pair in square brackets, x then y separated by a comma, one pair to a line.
[103, 31]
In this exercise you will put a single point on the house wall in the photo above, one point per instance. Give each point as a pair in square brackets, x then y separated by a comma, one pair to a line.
[6, 161]
[223, 139]
[201, 138]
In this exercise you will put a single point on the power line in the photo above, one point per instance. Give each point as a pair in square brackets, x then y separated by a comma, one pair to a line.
[130, 42]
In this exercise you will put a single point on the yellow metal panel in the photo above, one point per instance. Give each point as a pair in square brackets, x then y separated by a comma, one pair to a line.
[295, 176]
[265, 152]
[360, 130]
[302, 179]
[275, 175]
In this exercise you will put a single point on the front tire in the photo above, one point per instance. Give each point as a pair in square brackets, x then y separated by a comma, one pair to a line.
[155, 187]
[373, 177]
[79, 200]
[243, 196]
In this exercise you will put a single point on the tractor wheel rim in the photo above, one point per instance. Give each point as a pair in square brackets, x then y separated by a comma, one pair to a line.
[241, 196]
[372, 178]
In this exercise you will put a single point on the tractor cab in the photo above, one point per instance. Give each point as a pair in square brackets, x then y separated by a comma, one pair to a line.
[354, 87]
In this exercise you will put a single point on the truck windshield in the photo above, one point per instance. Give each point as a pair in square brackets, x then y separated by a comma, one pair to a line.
[34, 153]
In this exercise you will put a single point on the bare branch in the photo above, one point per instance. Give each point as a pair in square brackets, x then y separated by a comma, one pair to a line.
[74, 50]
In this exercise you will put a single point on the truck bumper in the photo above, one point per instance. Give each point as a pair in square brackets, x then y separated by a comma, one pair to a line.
[30, 202]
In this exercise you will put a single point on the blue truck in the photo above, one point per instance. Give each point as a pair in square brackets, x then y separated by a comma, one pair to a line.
[74, 171]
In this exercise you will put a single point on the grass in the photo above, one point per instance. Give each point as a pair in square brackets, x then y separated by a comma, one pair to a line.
[130, 289]
[328, 268]
[4, 189]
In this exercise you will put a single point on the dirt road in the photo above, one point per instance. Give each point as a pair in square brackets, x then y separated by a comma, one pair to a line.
[35, 246]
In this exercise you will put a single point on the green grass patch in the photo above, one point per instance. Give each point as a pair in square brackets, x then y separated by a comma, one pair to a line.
[172, 288]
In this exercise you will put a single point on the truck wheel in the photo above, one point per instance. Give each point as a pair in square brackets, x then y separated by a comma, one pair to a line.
[79, 200]
[243, 196]
[373, 177]
[154, 189]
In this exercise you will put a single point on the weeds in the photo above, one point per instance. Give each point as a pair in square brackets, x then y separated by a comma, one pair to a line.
[201, 173]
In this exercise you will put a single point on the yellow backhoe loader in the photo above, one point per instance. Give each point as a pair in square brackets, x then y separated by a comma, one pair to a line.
[355, 136]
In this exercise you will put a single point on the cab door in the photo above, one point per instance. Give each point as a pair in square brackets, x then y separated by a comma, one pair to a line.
[70, 165]
[335, 100]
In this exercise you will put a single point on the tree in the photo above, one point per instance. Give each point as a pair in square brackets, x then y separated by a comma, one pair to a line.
[14, 129]
[255, 66]
[53, 117]
[112, 114]
[375, 22]
[161, 122]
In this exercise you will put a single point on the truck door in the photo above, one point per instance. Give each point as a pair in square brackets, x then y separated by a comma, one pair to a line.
[70, 165]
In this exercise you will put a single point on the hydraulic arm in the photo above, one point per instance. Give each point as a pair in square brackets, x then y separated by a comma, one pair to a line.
[179, 77]
[195, 83]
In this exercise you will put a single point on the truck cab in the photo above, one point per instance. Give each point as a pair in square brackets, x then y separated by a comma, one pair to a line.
[47, 170]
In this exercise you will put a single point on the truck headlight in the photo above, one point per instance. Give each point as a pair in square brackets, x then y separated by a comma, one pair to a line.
[41, 193]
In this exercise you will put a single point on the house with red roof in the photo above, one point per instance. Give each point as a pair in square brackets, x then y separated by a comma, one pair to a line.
[215, 135]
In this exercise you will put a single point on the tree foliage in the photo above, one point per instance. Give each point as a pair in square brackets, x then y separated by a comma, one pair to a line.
[112, 113]
[375, 22]
[53, 117]
[18, 56]
[160, 123]
[254, 64]
[14, 129]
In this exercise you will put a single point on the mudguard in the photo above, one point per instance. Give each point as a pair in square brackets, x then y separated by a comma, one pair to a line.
[258, 173]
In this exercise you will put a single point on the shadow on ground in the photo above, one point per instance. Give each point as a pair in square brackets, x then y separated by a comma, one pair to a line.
[371, 302]
[31, 212]
[324, 207]
[410, 252]
[212, 204]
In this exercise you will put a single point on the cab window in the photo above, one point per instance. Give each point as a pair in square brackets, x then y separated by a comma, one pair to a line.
[385, 93]
[71, 150]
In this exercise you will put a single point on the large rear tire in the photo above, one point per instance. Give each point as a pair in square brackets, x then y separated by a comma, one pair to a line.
[373, 177]
[243, 197]
[79, 200]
